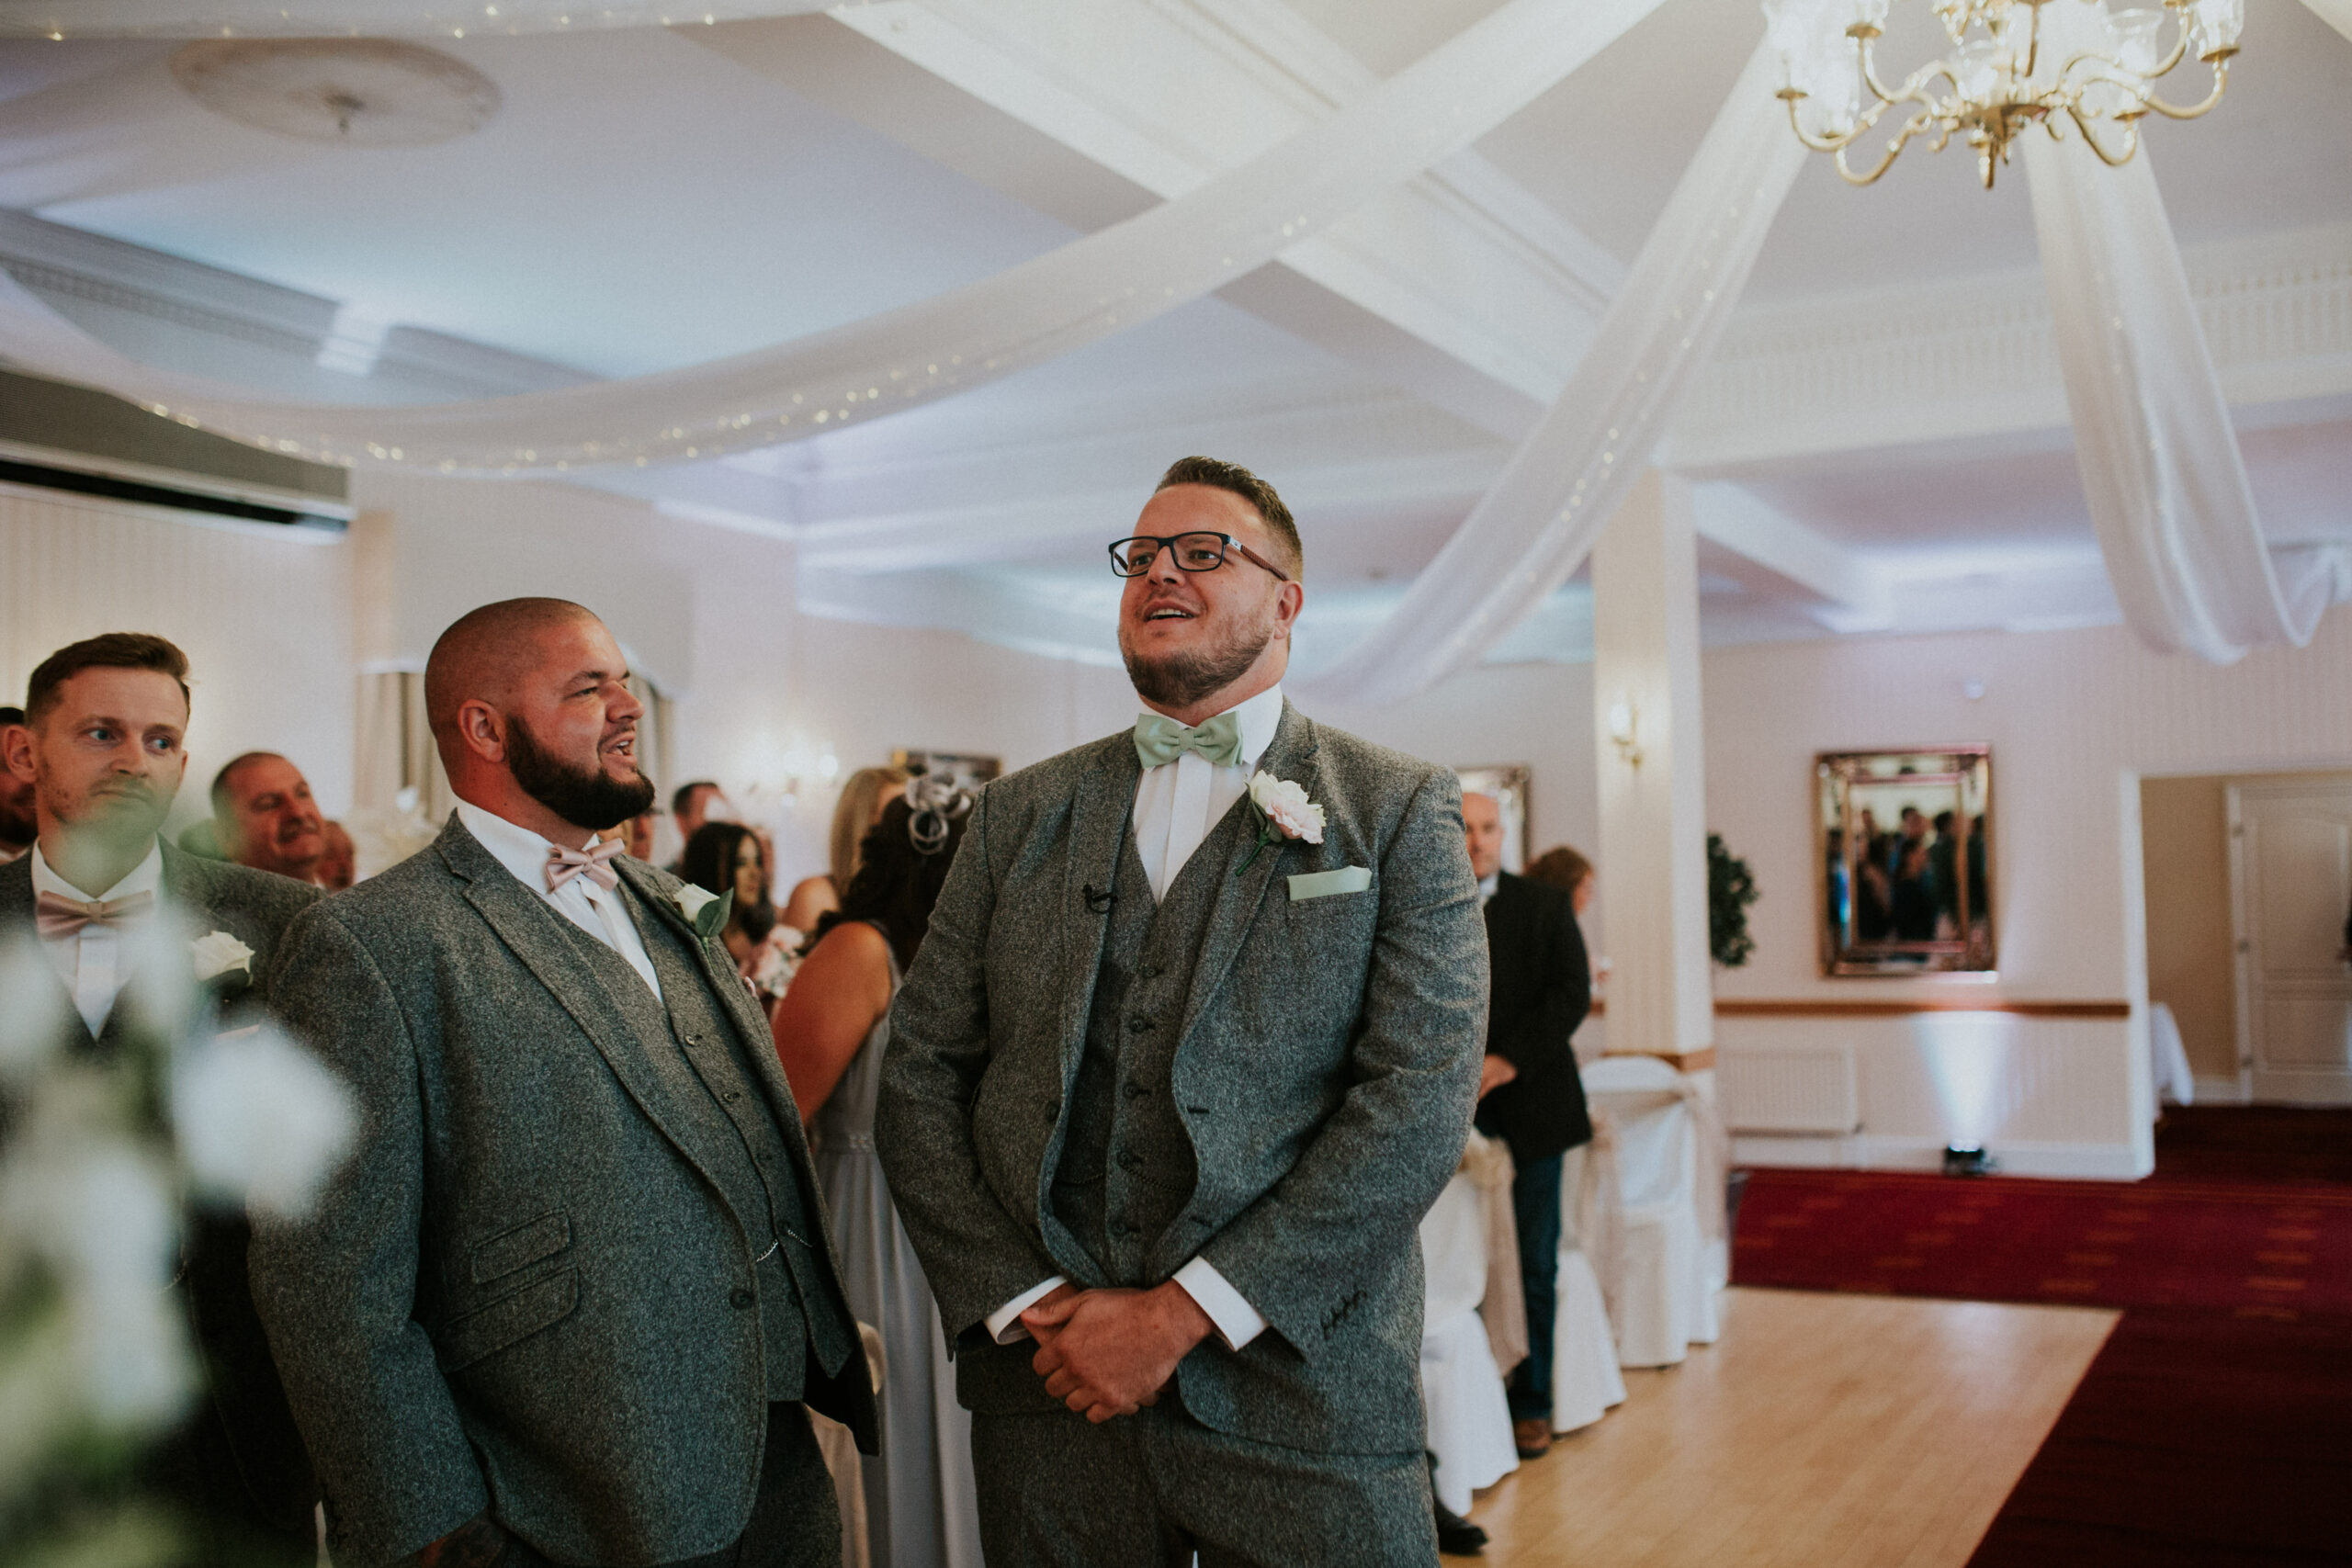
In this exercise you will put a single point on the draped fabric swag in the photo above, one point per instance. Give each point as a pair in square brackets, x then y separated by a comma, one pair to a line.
[2162, 472]
[1539, 521]
[1106, 283]
[2164, 482]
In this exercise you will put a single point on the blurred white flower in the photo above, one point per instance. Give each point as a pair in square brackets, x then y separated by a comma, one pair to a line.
[100, 1212]
[217, 952]
[34, 1012]
[258, 1120]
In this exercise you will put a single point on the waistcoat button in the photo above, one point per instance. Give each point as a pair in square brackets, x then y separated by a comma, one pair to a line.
[740, 1299]
[1130, 1160]
[1140, 1023]
[1136, 1090]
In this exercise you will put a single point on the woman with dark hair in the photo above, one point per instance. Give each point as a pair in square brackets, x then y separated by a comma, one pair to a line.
[832, 1029]
[727, 857]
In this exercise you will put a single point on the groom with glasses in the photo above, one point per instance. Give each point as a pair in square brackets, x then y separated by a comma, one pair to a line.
[1189, 1051]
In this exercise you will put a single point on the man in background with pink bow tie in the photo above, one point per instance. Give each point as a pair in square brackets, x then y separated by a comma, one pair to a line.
[570, 1296]
[102, 744]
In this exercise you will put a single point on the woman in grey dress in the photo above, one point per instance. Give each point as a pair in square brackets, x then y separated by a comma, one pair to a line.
[831, 1027]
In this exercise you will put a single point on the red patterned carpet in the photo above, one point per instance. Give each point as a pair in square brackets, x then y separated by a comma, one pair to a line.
[2154, 1242]
[2214, 1428]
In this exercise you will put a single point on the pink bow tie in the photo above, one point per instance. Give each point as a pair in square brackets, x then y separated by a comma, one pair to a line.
[564, 865]
[55, 916]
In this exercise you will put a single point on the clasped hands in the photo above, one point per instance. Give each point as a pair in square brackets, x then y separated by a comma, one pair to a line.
[1106, 1353]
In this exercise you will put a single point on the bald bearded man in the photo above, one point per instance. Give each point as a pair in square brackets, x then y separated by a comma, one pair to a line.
[567, 1299]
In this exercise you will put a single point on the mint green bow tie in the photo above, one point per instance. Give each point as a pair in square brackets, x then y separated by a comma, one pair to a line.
[1160, 738]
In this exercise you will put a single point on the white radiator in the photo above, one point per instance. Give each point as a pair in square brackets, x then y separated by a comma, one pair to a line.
[1788, 1091]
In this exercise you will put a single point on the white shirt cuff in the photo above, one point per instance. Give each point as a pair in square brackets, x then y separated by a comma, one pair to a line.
[1004, 1324]
[1237, 1322]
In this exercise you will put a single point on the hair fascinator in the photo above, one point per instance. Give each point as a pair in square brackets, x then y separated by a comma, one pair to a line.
[933, 805]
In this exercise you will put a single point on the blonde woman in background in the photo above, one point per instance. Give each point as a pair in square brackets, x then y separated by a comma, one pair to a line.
[864, 795]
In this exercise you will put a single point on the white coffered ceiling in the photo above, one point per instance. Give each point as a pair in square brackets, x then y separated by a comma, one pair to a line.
[1881, 443]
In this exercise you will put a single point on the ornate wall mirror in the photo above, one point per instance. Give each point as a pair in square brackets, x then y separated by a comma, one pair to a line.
[1905, 842]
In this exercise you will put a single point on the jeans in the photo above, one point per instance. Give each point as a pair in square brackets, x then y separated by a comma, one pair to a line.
[1535, 1204]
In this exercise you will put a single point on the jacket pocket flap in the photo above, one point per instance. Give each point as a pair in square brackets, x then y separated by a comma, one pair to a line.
[507, 1320]
[1324, 883]
[524, 1244]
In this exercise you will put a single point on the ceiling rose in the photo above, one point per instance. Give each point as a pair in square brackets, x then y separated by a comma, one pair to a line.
[357, 92]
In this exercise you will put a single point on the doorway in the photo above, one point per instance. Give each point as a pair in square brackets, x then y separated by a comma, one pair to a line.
[2290, 889]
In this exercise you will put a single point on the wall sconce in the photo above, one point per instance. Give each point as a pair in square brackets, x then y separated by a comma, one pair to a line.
[1624, 723]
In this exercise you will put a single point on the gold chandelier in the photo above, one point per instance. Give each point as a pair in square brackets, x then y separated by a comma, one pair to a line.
[2009, 67]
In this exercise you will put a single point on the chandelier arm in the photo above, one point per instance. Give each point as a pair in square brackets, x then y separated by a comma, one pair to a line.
[1913, 127]
[1817, 144]
[2032, 50]
[2176, 112]
[2113, 161]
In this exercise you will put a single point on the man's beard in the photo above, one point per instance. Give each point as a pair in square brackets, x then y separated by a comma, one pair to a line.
[585, 798]
[1179, 680]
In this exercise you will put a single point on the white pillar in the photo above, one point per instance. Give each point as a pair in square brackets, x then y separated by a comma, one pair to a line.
[1650, 755]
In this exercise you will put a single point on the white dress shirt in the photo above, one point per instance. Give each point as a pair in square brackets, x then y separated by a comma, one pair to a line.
[91, 960]
[1176, 806]
[1487, 885]
[599, 913]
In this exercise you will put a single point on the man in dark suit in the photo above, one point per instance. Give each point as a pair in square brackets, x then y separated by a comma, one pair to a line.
[101, 746]
[572, 1296]
[1532, 1098]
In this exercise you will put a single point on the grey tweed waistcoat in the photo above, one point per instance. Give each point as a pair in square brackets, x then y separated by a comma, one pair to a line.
[732, 1138]
[1127, 1168]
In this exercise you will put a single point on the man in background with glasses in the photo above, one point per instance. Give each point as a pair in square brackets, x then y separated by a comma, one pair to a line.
[1189, 1051]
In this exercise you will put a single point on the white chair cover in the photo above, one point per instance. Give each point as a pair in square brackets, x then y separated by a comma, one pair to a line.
[1671, 1267]
[2168, 1059]
[1584, 1380]
[1469, 1419]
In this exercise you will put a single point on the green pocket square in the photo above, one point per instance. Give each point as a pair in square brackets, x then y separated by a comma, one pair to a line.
[1323, 884]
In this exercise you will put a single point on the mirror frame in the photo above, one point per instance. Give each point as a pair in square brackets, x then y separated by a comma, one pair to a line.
[1834, 772]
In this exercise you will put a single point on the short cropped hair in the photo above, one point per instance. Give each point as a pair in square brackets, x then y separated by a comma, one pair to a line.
[683, 796]
[228, 770]
[112, 650]
[1237, 480]
[12, 716]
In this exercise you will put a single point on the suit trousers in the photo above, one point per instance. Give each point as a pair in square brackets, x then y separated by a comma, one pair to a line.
[1535, 1204]
[795, 1519]
[1057, 1491]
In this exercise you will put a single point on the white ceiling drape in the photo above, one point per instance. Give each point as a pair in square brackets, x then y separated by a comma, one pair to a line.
[368, 18]
[2161, 470]
[1539, 521]
[1089, 289]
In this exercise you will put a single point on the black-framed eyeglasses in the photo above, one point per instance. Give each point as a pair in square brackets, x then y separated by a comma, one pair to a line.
[1194, 552]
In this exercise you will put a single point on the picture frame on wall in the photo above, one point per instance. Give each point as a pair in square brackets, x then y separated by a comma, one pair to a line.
[1505, 782]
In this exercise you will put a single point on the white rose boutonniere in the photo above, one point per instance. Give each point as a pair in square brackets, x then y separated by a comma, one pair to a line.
[217, 953]
[704, 911]
[1284, 812]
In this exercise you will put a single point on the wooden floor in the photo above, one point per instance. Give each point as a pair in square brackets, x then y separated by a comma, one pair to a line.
[1870, 1431]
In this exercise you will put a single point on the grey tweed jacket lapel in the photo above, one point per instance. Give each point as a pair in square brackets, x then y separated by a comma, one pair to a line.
[525, 923]
[1105, 800]
[735, 999]
[1243, 884]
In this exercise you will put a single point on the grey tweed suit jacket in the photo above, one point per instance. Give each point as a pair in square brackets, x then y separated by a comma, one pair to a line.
[1325, 1076]
[521, 1293]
